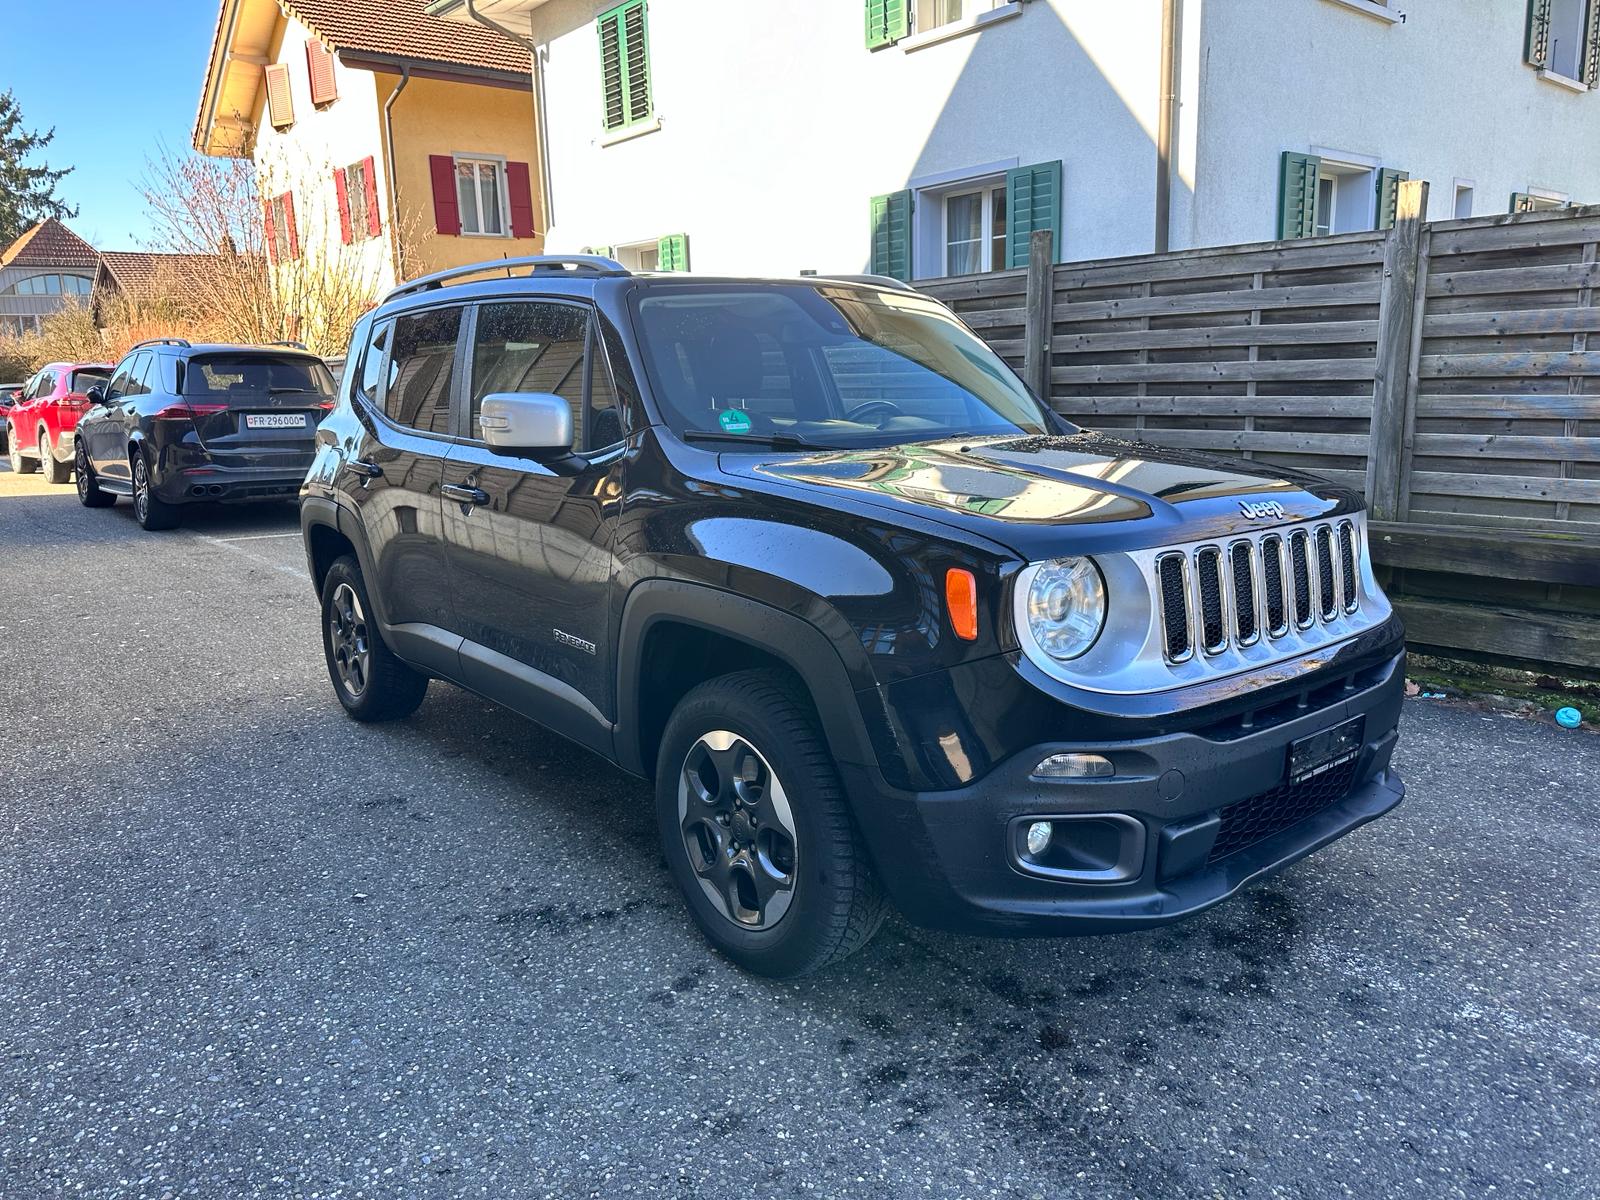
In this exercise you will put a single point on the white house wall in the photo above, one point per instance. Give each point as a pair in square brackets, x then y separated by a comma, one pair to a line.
[778, 125]
[303, 156]
[1444, 95]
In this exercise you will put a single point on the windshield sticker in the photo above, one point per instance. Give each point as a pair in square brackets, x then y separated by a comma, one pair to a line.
[733, 420]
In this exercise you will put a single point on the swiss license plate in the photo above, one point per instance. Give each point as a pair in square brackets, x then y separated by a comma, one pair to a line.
[1324, 751]
[275, 421]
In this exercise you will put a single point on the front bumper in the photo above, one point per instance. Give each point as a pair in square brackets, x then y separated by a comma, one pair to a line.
[948, 858]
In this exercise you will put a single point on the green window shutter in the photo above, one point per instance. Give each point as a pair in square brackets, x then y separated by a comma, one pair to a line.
[1389, 181]
[887, 22]
[1591, 47]
[625, 65]
[891, 235]
[1536, 46]
[1033, 202]
[674, 252]
[1297, 195]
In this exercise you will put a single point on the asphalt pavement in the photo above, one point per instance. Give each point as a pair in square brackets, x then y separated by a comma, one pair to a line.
[249, 948]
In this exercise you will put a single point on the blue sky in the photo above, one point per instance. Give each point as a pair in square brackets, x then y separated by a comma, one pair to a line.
[149, 58]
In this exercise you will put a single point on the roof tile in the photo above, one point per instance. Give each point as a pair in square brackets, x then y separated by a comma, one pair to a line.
[403, 29]
[49, 244]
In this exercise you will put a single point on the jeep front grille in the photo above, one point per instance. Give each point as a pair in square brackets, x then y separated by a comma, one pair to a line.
[1219, 600]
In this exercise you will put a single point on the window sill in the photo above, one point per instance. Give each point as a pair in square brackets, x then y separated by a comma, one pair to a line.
[1380, 12]
[1564, 81]
[628, 132]
[943, 33]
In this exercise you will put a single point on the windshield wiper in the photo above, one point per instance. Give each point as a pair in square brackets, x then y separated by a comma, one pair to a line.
[775, 441]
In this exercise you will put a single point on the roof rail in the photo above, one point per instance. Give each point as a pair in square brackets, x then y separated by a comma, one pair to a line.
[184, 342]
[883, 281]
[291, 345]
[591, 264]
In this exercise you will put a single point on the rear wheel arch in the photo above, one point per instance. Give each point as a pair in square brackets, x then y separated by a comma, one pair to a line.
[325, 545]
[675, 636]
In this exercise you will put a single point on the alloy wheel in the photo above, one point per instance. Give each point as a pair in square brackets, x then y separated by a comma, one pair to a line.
[141, 488]
[81, 471]
[738, 830]
[348, 640]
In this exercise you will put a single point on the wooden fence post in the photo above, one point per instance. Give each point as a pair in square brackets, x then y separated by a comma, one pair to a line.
[1397, 321]
[1039, 319]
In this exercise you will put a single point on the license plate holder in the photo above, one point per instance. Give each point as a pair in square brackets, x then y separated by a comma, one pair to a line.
[274, 421]
[1322, 752]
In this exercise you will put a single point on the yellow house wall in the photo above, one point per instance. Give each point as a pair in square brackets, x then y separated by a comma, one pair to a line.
[433, 116]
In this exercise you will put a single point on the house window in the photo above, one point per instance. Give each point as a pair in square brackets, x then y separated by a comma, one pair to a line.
[625, 65]
[638, 256]
[481, 195]
[1568, 19]
[358, 195]
[51, 285]
[1532, 201]
[975, 231]
[1327, 204]
[283, 238]
[1463, 205]
[931, 14]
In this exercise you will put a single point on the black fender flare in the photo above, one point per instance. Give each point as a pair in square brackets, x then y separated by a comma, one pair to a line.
[327, 513]
[794, 641]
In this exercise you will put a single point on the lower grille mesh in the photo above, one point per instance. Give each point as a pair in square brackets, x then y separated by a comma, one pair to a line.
[1262, 815]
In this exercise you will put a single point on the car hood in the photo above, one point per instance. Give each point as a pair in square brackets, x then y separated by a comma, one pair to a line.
[1042, 496]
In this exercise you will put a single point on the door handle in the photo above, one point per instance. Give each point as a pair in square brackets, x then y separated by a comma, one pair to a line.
[466, 495]
[364, 469]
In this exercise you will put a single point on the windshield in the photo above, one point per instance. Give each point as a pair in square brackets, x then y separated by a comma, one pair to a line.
[825, 365]
[251, 377]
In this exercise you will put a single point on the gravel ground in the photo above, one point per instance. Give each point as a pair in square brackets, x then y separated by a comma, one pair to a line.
[250, 948]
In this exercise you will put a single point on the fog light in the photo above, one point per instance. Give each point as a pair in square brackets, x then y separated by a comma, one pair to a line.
[1039, 837]
[1074, 766]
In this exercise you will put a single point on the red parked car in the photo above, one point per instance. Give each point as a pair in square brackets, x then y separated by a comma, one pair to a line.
[43, 421]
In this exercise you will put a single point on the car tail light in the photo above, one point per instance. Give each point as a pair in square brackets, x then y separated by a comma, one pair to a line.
[188, 412]
[961, 600]
[326, 405]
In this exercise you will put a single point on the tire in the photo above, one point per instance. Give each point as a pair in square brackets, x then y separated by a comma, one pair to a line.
[152, 512]
[371, 683]
[54, 472]
[19, 464]
[755, 728]
[89, 492]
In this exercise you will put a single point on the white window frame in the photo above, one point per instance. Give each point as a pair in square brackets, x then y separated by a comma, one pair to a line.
[975, 15]
[1340, 166]
[985, 188]
[1545, 200]
[1471, 189]
[1382, 10]
[1572, 79]
[498, 162]
[631, 254]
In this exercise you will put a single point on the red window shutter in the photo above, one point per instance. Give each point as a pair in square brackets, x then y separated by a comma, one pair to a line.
[280, 104]
[271, 232]
[446, 212]
[520, 191]
[342, 193]
[319, 69]
[370, 177]
[291, 235]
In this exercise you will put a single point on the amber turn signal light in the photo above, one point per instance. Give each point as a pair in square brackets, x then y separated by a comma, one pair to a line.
[961, 599]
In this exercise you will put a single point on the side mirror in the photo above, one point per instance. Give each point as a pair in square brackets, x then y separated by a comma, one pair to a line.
[96, 393]
[534, 424]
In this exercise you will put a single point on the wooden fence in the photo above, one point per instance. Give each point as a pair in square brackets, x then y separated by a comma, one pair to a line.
[1443, 369]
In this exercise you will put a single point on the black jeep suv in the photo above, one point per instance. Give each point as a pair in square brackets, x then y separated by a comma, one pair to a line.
[182, 424]
[879, 625]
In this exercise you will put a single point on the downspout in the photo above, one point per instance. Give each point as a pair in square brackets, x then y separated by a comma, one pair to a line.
[1166, 121]
[541, 125]
[394, 182]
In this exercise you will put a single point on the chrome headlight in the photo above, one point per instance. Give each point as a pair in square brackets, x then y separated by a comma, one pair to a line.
[1066, 607]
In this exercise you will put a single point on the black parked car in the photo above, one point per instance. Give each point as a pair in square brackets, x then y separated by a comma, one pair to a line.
[182, 424]
[878, 623]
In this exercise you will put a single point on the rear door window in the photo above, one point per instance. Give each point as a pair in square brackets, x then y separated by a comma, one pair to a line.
[421, 367]
[371, 377]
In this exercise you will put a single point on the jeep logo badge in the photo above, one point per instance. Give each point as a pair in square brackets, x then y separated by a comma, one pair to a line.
[1262, 510]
